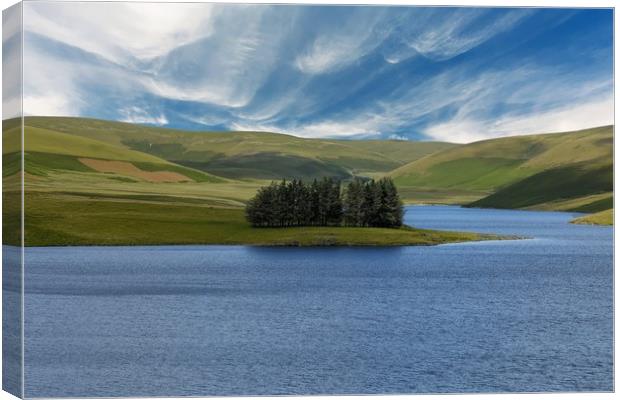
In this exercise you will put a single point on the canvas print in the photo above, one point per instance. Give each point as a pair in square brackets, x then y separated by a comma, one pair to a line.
[205, 199]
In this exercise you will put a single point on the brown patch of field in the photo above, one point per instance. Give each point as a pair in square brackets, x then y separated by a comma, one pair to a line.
[128, 169]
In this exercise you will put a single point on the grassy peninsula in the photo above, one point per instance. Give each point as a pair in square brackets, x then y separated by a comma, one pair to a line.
[55, 219]
[600, 218]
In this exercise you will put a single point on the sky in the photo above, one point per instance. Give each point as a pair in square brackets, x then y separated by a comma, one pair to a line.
[414, 73]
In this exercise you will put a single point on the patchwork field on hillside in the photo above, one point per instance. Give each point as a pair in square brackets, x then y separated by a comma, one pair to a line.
[247, 155]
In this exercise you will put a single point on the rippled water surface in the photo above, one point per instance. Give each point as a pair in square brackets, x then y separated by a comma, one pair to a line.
[522, 315]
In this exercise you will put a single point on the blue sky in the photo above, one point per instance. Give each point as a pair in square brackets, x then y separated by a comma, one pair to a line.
[454, 74]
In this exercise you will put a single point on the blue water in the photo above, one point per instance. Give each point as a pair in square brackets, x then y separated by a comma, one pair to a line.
[523, 315]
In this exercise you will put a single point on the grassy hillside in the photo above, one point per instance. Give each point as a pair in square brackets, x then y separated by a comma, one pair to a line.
[47, 150]
[520, 171]
[600, 218]
[48, 141]
[587, 204]
[247, 155]
[11, 184]
[569, 182]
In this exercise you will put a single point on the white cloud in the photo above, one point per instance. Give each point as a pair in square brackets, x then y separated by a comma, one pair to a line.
[397, 137]
[117, 30]
[11, 106]
[195, 61]
[66, 82]
[579, 116]
[137, 115]
[438, 34]
[329, 54]
[47, 105]
[567, 118]
[256, 67]
[12, 62]
[336, 129]
[441, 34]
[362, 126]
[212, 92]
[536, 99]
[454, 36]
[228, 67]
[342, 45]
[47, 92]
[209, 120]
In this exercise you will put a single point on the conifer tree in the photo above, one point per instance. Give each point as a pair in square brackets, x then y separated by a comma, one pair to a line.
[352, 203]
[371, 204]
[391, 204]
[333, 202]
[321, 203]
[314, 205]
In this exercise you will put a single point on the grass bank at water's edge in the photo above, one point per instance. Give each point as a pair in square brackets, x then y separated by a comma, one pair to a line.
[54, 219]
[600, 218]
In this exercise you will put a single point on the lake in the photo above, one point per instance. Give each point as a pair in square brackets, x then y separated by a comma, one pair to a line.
[530, 315]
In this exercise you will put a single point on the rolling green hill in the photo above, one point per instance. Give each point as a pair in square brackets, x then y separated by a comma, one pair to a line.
[246, 155]
[39, 140]
[521, 171]
[569, 182]
[48, 150]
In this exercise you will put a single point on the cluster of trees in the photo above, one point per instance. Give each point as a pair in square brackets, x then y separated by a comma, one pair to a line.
[323, 203]
[372, 203]
[296, 203]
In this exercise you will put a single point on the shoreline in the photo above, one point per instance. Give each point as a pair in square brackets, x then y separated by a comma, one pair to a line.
[307, 237]
[273, 245]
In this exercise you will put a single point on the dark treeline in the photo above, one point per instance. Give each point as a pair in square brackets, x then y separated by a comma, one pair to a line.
[296, 203]
[323, 203]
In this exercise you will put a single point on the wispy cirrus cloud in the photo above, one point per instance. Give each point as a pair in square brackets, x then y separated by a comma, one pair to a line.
[461, 32]
[523, 101]
[121, 31]
[338, 45]
[572, 117]
[455, 74]
[226, 69]
[442, 33]
[137, 115]
[11, 64]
